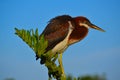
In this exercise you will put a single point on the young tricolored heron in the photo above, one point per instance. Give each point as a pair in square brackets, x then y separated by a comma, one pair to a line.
[65, 30]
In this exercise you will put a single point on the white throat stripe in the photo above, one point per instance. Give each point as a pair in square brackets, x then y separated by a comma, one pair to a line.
[83, 24]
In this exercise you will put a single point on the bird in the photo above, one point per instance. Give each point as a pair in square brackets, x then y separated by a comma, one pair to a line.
[63, 31]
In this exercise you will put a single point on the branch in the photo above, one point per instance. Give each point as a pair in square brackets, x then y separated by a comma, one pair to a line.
[38, 44]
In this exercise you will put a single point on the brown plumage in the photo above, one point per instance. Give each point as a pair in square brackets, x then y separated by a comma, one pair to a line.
[64, 30]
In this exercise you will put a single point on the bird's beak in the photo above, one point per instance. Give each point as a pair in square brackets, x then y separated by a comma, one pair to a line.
[96, 27]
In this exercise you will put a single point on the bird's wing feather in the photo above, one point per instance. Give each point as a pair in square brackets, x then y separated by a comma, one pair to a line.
[57, 34]
[56, 31]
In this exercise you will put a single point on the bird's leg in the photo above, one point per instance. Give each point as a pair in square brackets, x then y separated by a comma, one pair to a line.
[61, 66]
[55, 57]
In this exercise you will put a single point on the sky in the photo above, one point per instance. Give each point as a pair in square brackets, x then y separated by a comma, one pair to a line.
[98, 53]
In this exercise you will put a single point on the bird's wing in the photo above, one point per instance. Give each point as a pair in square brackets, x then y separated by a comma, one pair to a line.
[56, 31]
[55, 34]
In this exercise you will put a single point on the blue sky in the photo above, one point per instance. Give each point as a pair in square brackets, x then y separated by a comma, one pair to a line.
[98, 53]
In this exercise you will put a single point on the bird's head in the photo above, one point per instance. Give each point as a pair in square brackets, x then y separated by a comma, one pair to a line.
[83, 21]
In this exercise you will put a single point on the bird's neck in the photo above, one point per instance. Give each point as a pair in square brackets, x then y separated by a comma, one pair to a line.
[78, 34]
